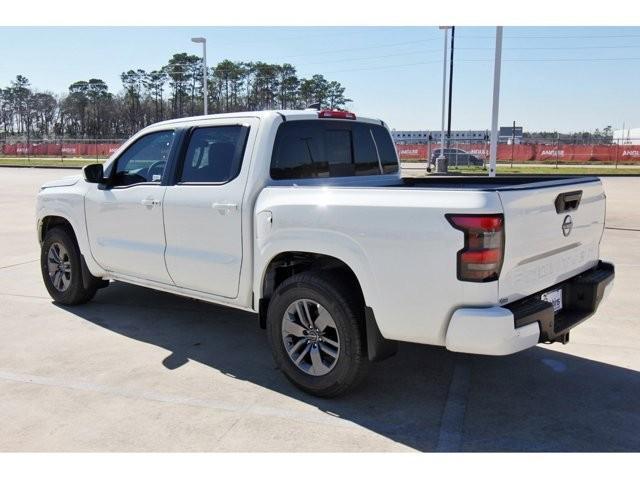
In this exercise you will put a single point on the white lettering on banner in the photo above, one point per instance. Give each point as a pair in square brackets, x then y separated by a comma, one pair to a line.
[553, 152]
[631, 153]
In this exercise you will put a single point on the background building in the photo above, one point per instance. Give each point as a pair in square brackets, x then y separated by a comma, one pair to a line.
[423, 136]
[628, 136]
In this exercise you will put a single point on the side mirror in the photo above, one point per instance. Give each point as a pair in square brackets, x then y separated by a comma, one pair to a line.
[93, 173]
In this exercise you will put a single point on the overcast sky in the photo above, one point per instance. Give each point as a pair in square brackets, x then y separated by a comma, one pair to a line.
[565, 79]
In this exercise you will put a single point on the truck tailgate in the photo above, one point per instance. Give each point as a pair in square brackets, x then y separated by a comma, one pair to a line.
[547, 243]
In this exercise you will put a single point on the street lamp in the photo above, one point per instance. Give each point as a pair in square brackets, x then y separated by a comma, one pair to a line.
[441, 165]
[204, 69]
[497, 63]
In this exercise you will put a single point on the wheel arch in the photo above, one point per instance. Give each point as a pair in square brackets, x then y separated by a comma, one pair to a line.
[50, 221]
[285, 264]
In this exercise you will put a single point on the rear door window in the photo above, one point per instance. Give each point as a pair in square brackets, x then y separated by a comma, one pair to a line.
[329, 149]
[214, 154]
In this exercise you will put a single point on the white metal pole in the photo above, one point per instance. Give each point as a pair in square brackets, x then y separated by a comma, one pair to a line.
[444, 92]
[205, 86]
[620, 142]
[493, 148]
[204, 69]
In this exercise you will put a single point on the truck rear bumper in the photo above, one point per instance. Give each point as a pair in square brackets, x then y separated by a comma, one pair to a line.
[520, 325]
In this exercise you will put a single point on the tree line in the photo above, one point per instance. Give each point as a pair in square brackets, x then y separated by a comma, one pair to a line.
[598, 136]
[89, 110]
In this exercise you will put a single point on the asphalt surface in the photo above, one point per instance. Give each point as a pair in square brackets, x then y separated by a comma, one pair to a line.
[139, 370]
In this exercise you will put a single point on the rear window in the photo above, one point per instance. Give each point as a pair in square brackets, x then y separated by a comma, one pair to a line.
[329, 149]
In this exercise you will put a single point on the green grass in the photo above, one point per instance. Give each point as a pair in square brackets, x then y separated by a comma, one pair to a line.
[49, 162]
[547, 170]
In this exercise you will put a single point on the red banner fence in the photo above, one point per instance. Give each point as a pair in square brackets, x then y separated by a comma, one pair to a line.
[547, 153]
[536, 153]
[61, 149]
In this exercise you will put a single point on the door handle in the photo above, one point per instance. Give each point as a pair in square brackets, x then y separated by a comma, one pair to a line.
[150, 202]
[224, 208]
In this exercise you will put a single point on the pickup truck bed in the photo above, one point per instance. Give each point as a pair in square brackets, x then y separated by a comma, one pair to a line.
[459, 182]
[498, 183]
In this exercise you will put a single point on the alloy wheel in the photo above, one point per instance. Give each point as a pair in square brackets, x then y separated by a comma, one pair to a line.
[59, 266]
[310, 337]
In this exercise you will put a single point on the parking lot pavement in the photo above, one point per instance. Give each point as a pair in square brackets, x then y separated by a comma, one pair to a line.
[139, 370]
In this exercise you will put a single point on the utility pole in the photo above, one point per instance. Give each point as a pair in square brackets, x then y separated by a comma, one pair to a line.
[453, 34]
[486, 148]
[513, 141]
[493, 148]
[557, 148]
[29, 146]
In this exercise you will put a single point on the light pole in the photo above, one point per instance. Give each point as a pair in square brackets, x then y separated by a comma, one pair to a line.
[497, 63]
[441, 166]
[204, 70]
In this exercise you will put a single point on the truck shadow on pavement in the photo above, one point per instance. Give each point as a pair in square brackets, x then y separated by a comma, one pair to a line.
[538, 400]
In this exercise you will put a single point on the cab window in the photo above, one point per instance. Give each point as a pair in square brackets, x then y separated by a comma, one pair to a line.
[145, 160]
[214, 154]
[329, 148]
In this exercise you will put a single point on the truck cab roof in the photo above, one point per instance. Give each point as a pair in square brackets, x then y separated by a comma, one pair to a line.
[286, 115]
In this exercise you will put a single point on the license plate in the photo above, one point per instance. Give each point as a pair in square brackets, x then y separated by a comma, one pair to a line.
[554, 297]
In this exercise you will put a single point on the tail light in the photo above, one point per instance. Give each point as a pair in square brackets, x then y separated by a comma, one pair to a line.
[481, 258]
[343, 115]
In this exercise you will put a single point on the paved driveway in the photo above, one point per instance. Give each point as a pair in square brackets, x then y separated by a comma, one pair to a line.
[139, 370]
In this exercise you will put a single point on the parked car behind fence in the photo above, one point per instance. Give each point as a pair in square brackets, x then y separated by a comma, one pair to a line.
[457, 157]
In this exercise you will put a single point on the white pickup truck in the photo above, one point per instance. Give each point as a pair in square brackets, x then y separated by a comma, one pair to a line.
[303, 218]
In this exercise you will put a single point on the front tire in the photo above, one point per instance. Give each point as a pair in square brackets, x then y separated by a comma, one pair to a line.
[316, 333]
[61, 267]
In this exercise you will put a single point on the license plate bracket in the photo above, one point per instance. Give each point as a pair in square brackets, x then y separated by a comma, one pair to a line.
[554, 297]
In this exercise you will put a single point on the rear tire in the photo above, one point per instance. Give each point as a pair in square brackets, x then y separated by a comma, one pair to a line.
[61, 266]
[315, 326]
